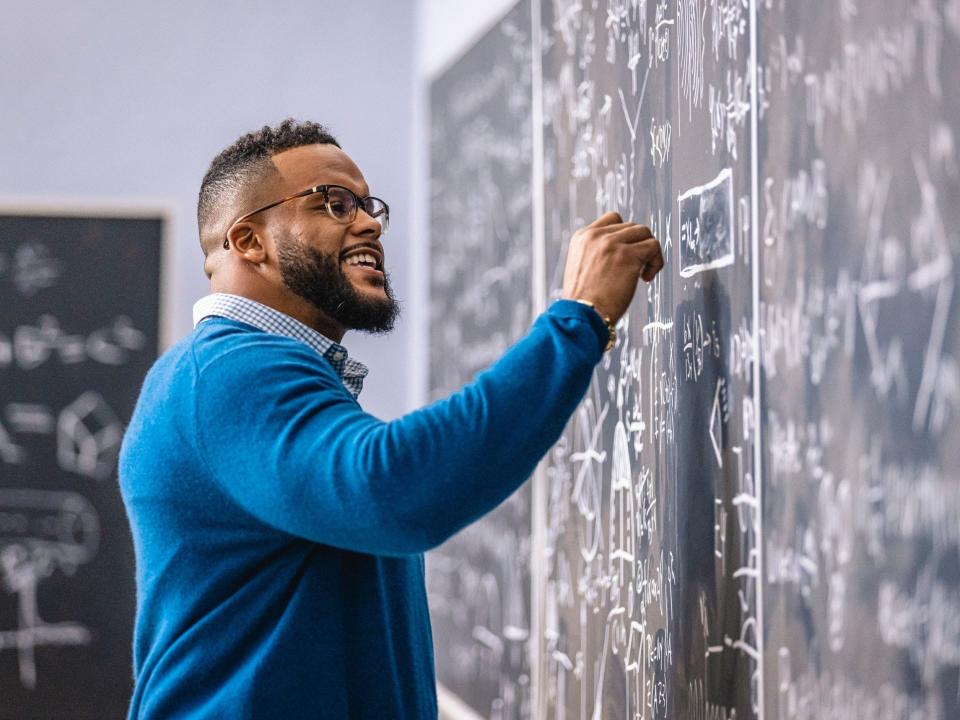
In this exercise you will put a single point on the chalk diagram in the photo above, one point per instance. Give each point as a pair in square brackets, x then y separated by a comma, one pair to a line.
[588, 457]
[88, 437]
[883, 283]
[624, 634]
[33, 268]
[41, 532]
[88, 434]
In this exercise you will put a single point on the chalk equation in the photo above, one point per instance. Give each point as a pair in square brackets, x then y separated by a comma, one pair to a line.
[30, 346]
[706, 226]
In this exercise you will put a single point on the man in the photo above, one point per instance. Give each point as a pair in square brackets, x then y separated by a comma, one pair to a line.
[280, 530]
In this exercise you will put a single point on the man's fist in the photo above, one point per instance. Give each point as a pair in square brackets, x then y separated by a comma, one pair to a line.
[605, 261]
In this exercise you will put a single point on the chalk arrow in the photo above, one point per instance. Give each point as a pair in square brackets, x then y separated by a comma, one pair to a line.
[716, 425]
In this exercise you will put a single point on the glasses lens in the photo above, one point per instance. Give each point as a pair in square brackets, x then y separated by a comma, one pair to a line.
[377, 209]
[341, 203]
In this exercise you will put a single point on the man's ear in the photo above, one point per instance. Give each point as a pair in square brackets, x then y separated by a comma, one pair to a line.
[245, 240]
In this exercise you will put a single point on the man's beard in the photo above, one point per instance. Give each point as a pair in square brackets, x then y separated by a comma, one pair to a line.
[316, 277]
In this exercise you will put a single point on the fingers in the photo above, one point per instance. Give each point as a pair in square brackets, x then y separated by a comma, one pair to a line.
[652, 267]
[610, 230]
[610, 218]
[648, 256]
[631, 233]
[638, 238]
[612, 226]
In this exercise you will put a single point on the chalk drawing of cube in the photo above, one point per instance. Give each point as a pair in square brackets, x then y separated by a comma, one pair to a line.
[706, 226]
[88, 437]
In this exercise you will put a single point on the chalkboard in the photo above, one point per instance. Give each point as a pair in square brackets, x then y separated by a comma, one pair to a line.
[79, 326]
[860, 335]
[755, 512]
[478, 583]
[652, 547]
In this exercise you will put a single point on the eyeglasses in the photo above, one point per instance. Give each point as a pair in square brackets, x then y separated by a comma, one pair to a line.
[340, 203]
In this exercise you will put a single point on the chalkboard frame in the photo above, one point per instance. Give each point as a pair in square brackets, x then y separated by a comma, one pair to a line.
[112, 208]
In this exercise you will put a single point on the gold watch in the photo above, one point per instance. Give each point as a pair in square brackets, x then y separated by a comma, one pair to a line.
[611, 328]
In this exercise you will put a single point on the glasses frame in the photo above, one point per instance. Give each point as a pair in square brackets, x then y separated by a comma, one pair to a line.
[326, 201]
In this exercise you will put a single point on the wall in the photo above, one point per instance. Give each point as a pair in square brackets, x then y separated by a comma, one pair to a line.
[129, 101]
[449, 27]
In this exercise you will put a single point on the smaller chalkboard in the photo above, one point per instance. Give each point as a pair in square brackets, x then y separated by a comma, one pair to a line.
[79, 327]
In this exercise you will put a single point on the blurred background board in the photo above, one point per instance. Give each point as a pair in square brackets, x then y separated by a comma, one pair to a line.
[79, 327]
[860, 338]
[481, 225]
[755, 512]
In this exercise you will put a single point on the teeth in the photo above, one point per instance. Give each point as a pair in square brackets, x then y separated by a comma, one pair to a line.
[361, 259]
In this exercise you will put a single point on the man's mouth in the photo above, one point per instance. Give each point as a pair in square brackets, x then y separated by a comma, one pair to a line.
[365, 260]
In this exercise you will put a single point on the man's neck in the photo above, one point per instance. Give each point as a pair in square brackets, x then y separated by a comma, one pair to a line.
[289, 304]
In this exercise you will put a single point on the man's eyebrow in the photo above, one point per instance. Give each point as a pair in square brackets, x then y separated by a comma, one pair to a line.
[350, 186]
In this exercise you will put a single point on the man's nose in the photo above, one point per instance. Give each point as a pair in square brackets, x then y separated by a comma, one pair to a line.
[366, 225]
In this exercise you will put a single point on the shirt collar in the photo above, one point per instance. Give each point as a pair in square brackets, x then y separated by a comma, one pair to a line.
[268, 319]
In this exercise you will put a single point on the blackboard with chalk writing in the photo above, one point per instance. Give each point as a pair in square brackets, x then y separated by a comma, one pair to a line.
[651, 599]
[79, 325]
[480, 264]
[859, 317]
[755, 511]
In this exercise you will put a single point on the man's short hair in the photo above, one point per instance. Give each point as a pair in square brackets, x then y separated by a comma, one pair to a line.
[239, 166]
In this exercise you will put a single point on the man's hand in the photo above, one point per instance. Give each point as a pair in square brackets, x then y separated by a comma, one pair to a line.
[605, 260]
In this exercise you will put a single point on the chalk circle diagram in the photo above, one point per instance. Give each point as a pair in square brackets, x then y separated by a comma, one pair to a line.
[588, 457]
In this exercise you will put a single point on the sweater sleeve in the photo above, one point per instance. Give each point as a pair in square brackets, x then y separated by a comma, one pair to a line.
[284, 439]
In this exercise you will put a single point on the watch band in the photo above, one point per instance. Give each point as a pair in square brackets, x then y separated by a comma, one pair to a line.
[611, 328]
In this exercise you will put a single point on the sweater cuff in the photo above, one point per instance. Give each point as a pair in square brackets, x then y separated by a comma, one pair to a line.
[579, 311]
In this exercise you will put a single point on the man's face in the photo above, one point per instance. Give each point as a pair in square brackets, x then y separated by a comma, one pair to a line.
[317, 253]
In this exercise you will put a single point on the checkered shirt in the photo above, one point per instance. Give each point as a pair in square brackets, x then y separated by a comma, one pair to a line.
[245, 310]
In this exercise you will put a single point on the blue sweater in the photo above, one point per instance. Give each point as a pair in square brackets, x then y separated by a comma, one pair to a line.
[279, 529]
